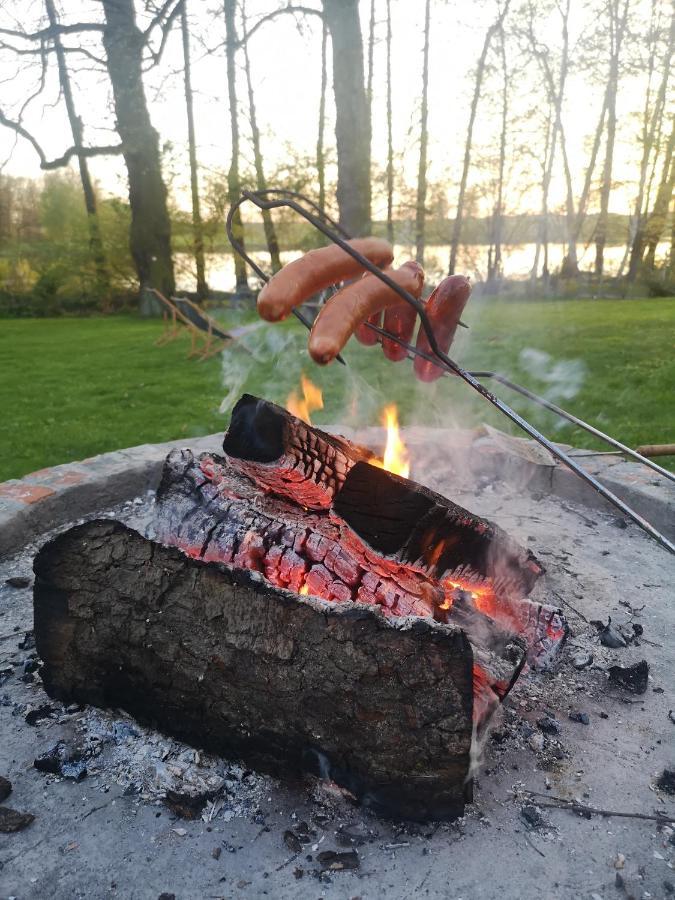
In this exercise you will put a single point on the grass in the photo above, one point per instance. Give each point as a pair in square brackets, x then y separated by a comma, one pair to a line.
[71, 388]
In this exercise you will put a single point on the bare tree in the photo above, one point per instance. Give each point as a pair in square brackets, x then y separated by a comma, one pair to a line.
[420, 205]
[390, 141]
[197, 225]
[321, 138]
[656, 223]
[77, 131]
[478, 84]
[233, 179]
[369, 82]
[495, 269]
[261, 183]
[352, 129]
[651, 121]
[617, 17]
[150, 235]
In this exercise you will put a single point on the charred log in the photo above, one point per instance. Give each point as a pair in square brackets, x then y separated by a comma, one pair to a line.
[222, 659]
[285, 456]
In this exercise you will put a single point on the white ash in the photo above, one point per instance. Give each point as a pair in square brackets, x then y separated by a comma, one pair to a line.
[148, 764]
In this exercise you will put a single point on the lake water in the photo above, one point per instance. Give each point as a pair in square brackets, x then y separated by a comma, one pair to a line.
[518, 260]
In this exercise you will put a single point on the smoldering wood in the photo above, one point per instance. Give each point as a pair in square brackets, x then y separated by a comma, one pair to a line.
[216, 514]
[224, 660]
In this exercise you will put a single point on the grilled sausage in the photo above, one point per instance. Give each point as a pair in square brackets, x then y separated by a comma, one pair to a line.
[351, 306]
[314, 272]
[444, 309]
[400, 320]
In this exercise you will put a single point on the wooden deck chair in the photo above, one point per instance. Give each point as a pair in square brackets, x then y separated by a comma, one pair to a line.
[206, 334]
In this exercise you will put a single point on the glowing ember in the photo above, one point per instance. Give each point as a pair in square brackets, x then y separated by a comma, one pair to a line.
[304, 590]
[396, 458]
[312, 398]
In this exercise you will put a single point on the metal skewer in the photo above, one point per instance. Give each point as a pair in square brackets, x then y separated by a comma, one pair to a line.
[440, 358]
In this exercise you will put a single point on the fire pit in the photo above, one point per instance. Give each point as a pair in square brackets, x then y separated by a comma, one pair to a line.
[596, 568]
[414, 624]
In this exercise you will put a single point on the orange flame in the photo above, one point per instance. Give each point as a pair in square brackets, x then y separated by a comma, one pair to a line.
[396, 458]
[304, 590]
[312, 398]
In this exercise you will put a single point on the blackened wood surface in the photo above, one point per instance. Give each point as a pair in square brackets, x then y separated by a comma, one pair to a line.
[285, 456]
[221, 659]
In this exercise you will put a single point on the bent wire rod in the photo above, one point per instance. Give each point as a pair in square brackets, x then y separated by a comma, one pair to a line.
[438, 355]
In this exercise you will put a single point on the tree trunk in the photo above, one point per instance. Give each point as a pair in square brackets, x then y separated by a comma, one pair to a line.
[649, 131]
[617, 30]
[352, 127]
[586, 189]
[93, 225]
[320, 141]
[261, 183]
[420, 206]
[197, 226]
[468, 145]
[390, 140]
[233, 180]
[369, 81]
[656, 222]
[150, 235]
[495, 270]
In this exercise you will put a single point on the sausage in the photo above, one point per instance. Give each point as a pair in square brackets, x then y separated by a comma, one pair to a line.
[367, 336]
[314, 272]
[400, 319]
[355, 303]
[444, 309]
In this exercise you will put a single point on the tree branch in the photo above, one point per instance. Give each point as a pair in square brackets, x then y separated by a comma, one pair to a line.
[166, 30]
[60, 161]
[45, 33]
[303, 10]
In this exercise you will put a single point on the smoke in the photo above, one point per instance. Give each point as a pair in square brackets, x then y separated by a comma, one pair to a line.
[562, 379]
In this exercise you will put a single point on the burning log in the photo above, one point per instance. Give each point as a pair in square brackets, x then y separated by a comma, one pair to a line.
[222, 659]
[302, 608]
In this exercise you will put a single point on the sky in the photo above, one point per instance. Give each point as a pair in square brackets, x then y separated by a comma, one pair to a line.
[285, 57]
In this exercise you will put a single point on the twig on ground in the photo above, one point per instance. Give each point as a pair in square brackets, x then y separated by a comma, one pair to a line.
[573, 806]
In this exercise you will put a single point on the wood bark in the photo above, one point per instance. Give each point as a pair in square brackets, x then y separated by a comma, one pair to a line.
[233, 177]
[261, 182]
[420, 205]
[468, 144]
[223, 660]
[150, 233]
[352, 128]
[77, 131]
[390, 139]
[197, 224]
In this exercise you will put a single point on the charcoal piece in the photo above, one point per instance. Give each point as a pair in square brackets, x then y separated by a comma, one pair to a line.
[532, 816]
[292, 841]
[35, 716]
[337, 861]
[5, 788]
[612, 637]
[632, 678]
[581, 717]
[18, 581]
[187, 806]
[666, 781]
[12, 820]
[61, 760]
[225, 661]
[549, 725]
[27, 642]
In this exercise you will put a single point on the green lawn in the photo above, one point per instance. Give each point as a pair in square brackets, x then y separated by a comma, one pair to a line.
[71, 388]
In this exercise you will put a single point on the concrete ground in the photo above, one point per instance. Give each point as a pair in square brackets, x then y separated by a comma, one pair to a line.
[111, 835]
